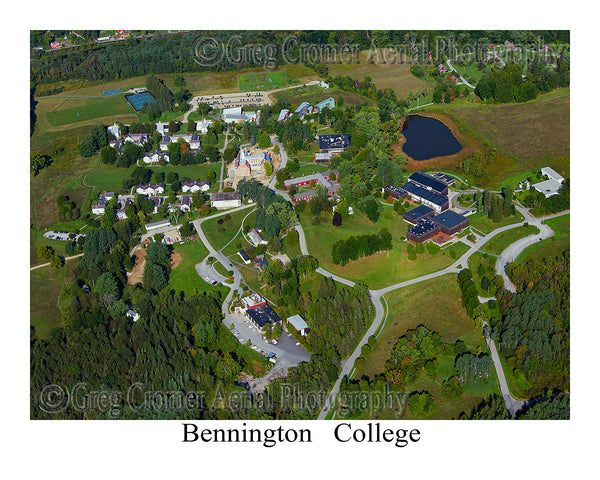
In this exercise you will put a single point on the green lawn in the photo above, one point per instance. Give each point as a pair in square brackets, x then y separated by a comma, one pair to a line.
[92, 108]
[498, 243]
[381, 269]
[184, 277]
[552, 246]
[480, 221]
[436, 304]
[220, 234]
[45, 286]
[109, 178]
[262, 81]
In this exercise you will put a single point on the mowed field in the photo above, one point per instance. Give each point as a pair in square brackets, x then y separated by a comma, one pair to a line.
[381, 269]
[384, 75]
[534, 134]
[437, 305]
[314, 94]
[45, 284]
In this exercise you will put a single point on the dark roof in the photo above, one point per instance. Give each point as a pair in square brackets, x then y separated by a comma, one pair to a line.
[262, 315]
[449, 219]
[425, 180]
[422, 228]
[428, 195]
[418, 212]
[338, 140]
[225, 196]
[447, 179]
[394, 189]
[244, 255]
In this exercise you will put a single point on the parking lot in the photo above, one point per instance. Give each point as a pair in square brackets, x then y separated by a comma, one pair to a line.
[64, 236]
[286, 347]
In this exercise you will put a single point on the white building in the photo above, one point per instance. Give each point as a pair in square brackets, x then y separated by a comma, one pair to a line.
[551, 174]
[137, 138]
[552, 185]
[195, 186]
[299, 324]
[157, 225]
[192, 139]
[150, 189]
[162, 127]
[223, 200]
[256, 237]
[202, 126]
[115, 130]
[155, 157]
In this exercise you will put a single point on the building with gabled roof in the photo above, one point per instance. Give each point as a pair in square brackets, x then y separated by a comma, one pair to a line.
[299, 324]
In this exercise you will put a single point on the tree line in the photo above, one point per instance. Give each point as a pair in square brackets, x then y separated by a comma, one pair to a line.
[360, 246]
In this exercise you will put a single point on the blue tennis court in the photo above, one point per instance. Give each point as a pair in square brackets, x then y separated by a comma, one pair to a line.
[112, 92]
[138, 100]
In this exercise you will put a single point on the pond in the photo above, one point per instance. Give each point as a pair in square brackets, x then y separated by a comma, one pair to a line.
[427, 138]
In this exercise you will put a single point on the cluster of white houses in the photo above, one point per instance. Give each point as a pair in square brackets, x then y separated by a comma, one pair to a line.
[433, 215]
[192, 139]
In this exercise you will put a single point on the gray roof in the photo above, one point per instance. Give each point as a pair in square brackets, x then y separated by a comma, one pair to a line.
[297, 322]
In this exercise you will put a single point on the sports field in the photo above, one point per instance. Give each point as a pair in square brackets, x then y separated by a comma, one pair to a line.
[262, 81]
[73, 110]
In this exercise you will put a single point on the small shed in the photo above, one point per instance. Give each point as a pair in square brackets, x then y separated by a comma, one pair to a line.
[299, 324]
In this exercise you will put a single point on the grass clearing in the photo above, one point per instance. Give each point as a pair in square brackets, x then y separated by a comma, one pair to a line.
[392, 75]
[262, 81]
[44, 288]
[184, 277]
[481, 222]
[436, 304]
[533, 134]
[498, 243]
[384, 268]
[219, 234]
[550, 247]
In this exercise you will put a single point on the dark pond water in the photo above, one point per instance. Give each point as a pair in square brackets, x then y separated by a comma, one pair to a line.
[427, 138]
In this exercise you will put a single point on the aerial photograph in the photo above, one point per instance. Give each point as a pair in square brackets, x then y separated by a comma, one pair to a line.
[275, 225]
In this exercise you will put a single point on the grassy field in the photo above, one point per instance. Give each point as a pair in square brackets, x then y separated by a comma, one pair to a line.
[74, 110]
[497, 244]
[220, 234]
[381, 269]
[109, 177]
[481, 222]
[396, 76]
[44, 287]
[436, 304]
[314, 94]
[552, 246]
[262, 81]
[533, 134]
[184, 277]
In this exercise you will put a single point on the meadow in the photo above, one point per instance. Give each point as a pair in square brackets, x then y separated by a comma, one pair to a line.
[436, 304]
[383, 268]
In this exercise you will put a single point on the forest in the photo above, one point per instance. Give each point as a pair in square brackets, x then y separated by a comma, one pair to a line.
[533, 332]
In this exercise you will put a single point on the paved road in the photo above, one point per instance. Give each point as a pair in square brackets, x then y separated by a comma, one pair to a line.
[376, 296]
[512, 404]
[223, 161]
[462, 79]
[46, 264]
[510, 253]
[222, 259]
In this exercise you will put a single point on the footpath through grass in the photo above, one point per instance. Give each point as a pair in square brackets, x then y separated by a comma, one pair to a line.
[550, 247]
